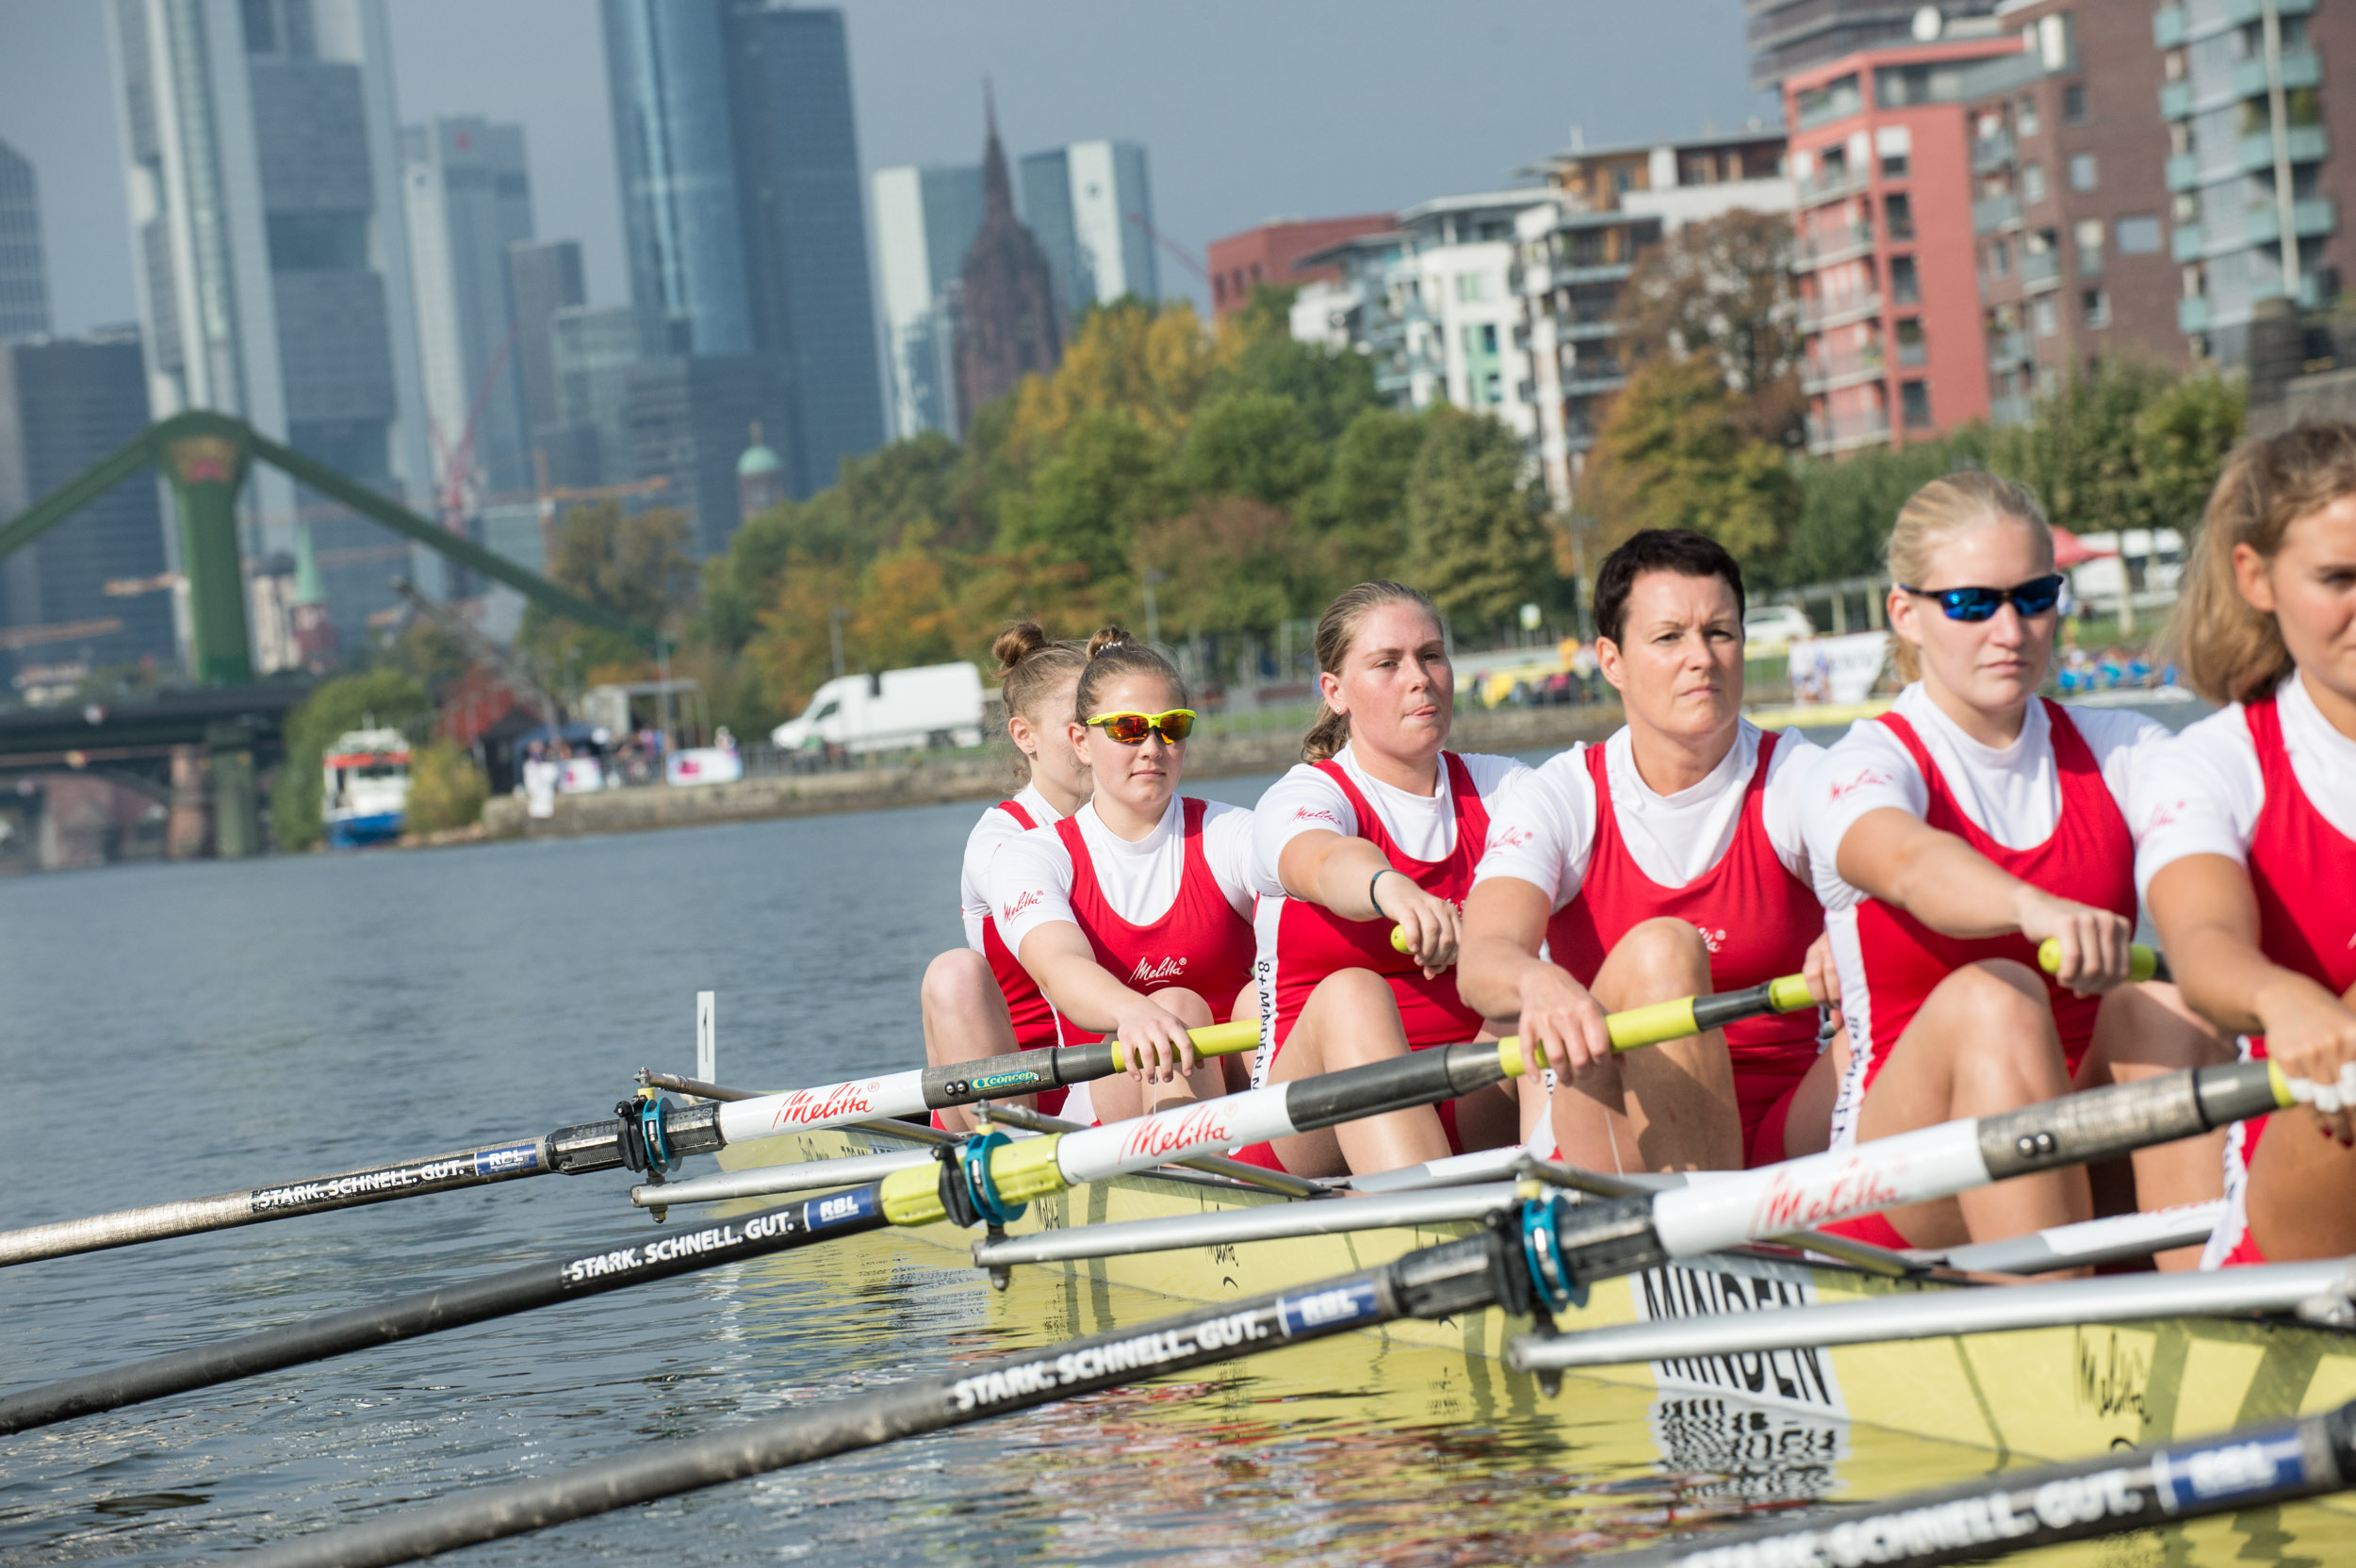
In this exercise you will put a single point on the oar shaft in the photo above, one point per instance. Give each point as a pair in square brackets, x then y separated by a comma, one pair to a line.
[345, 1189]
[427, 1312]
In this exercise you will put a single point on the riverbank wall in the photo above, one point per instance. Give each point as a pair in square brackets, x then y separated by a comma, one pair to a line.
[924, 781]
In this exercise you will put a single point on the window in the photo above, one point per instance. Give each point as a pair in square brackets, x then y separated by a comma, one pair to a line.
[1471, 287]
[1914, 401]
[1893, 166]
[2032, 183]
[2082, 171]
[1905, 286]
[2089, 236]
[2024, 119]
[2096, 304]
[2000, 259]
[2137, 236]
[1912, 350]
[1898, 212]
[2074, 104]
[1835, 99]
[2046, 318]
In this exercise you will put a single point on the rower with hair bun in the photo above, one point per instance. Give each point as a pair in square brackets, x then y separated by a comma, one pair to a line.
[1953, 836]
[1133, 914]
[1668, 861]
[1378, 830]
[978, 1000]
[2248, 857]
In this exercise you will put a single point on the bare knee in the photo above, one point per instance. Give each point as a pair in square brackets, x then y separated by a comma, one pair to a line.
[958, 979]
[1351, 992]
[1663, 953]
[2009, 1045]
[1185, 1006]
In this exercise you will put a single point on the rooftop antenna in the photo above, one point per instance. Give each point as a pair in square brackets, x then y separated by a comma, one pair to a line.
[1579, 139]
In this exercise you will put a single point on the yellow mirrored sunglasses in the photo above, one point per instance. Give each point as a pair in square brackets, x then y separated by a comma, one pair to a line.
[1131, 729]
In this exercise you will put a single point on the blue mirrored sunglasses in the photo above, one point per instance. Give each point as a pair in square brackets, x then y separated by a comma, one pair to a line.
[2036, 596]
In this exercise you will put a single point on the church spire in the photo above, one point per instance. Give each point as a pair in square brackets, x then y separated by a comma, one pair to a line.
[997, 189]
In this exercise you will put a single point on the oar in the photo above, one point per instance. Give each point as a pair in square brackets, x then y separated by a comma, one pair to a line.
[2119, 1298]
[988, 1179]
[2143, 963]
[1540, 1256]
[648, 1135]
[2017, 1511]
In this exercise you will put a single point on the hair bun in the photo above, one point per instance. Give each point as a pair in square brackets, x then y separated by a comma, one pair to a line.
[1110, 637]
[1016, 643]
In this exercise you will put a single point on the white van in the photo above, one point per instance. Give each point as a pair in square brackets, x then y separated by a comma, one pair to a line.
[934, 705]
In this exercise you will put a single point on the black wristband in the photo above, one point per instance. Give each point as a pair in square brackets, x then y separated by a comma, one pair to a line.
[1378, 876]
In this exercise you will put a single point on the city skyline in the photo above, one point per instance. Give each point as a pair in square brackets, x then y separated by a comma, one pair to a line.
[1181, 92]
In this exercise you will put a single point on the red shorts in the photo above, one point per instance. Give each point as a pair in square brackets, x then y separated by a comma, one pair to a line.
[1874, 1229]
[1765, 1104]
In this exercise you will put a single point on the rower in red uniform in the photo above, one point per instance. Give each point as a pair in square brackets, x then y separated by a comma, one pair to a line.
[1668, 861]
[978, 1000]
[1951, 836]
[1378, 828]
[1134, 913]
[2250, 857]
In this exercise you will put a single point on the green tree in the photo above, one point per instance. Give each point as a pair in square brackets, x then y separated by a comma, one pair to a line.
[1258, 444]
[636, 567]
[1107, 475]
[2181, 438]
[446, 789]
[1721, 290]
[1232, 563]
[2079, 453]
[1331, 386]
[1675, 452]
[385, 698]
[1846, 508]
[1476, 542]
[1362, 507]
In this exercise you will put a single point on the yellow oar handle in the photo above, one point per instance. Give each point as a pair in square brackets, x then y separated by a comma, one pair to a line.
[1398, 939]
[1219, 1039]
[2142, 963]
[1688, 1015]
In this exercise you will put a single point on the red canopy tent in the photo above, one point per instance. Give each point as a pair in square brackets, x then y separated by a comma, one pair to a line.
[2070, 550]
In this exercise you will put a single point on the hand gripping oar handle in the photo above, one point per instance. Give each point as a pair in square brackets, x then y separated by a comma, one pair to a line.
[2021, 1509]
[2143, 963]
[1693, 1015]
[1531, 1258]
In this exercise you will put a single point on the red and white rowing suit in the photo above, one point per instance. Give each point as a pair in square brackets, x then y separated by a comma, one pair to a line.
[2051, 809]
[2273, 786]
[1728, 855]
[1434, 839]
[1036, 1025]
[1172, 910]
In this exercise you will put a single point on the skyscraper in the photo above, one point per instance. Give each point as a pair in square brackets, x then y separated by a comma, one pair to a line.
[591, 351]
[1009, 325]
[64, 404]
[543, 277]
[24, 278]
[470, 198]
[271, 259]
[925, 221]
[806, 224]
[742, 205]
[1092, 210]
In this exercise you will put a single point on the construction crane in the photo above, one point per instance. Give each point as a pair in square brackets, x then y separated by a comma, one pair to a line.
[1185, 258]
[510, 668]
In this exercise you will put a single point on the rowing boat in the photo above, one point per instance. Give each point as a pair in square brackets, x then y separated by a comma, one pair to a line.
[1852, 1420]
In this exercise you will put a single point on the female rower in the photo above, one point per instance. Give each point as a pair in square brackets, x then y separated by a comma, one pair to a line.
[1954, 835]
[1379, 828]
[2252, 853]
[978, 1000]
[1668, 861]
[1133, 913]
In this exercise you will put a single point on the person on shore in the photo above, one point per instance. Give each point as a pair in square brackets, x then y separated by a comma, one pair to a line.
[1668, 861]
[1133, 913]
[1378, 829]
[1955, 834]
[978, 1000]
[2251, 855]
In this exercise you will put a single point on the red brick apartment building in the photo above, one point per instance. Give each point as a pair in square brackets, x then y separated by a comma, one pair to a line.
[1269, 253]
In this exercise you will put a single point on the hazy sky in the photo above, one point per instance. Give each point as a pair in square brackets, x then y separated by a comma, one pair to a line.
[1248, 109]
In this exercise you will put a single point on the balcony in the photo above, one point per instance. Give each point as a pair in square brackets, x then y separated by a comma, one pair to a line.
[2015, 410]
[2168, 26]
[2192, 315]
[1992, 152]
[1847, 433]
[1599, 271]
[2315, 215]
[1586, 331]
[2185, 243]
[1817, 315]
[2184, 170]
[1827, 372]
[2301, 67]
[2008, 348]
[2307, 144]
[1589, 381]
[1829, 184]
[2176, 101]
[2039, 270]
[1841, 243]
[1990, 213]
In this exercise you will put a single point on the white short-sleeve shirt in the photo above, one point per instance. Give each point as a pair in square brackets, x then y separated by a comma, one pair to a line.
[1307, 799]
[2210, 790]
[996, 826]
[1029, 880]
[1542, 826]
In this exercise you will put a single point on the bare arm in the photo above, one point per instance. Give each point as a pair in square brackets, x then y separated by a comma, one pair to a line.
[1957, 891]
[2208, 918]
[1059, 957]
[1340, 874]
[1500, 976]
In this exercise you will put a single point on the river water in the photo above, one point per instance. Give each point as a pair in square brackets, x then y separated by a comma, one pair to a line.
[179, 1030]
